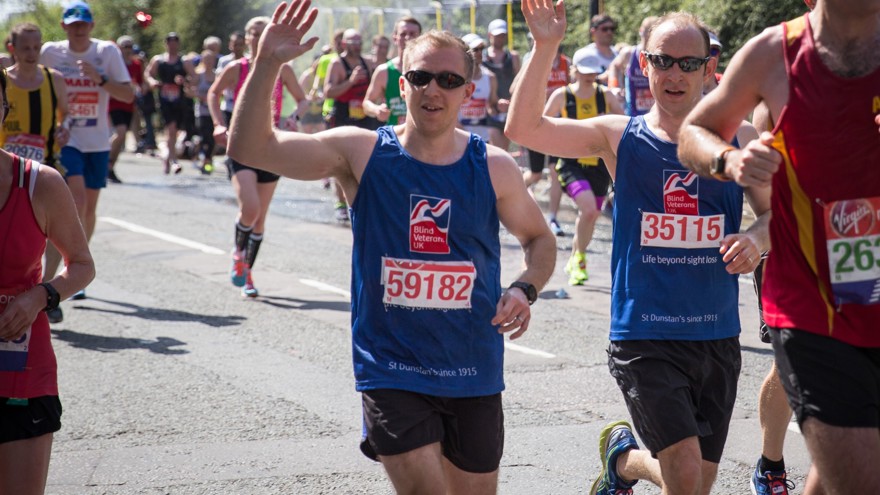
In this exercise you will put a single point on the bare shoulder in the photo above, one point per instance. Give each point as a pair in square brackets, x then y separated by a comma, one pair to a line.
[502, 167]
[49, 185]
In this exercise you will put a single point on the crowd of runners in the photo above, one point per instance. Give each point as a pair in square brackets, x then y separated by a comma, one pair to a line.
[417, 145]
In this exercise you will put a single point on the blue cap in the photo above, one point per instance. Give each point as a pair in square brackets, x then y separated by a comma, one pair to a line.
[77, 12]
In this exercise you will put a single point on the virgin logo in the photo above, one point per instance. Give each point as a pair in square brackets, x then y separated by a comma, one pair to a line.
[852, 218]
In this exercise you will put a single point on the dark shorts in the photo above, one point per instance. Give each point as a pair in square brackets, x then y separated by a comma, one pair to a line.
[470, 430]
[497, 121]
[573, 175]
[92, 166]
[678, 389]
[539, 161]
[262, 176]
[824, 378]
[121, 117]
[173, 112]
[37, 417]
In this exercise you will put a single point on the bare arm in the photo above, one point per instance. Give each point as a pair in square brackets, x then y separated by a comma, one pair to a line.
[253, 141]
[527, 125]
[521, 216]
[493, 93]
[56, 215]
[756, 73]
[613, 104]
[226, 80]
[374, 103]
[152, 72]
[742, 251]
[62, 111]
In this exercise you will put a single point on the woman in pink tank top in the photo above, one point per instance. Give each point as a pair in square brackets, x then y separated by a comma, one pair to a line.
[35, 204]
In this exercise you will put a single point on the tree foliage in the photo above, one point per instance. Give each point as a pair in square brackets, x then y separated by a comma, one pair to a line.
[735, 21]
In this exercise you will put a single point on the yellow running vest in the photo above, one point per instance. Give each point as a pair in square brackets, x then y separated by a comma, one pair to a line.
[29, 129]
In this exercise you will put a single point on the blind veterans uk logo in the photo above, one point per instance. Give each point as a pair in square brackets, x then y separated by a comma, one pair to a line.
[429, 224]
[681, 192]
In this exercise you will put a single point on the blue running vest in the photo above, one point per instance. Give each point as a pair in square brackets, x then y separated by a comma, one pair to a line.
[426, 274]
[663, 292]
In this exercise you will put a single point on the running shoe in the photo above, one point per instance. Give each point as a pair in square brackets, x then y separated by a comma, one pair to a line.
[239, 272]
[79, 295]
[770, 482]
[249, 290]
[576, 268]
[556, 228]
[111, 176]
[55, 315]
[341, 214]
[176, 168]
[615, 439]
[207, 168]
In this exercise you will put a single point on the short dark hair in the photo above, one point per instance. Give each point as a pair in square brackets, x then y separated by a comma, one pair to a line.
[600, 19]
[408, 19]
[19, 29]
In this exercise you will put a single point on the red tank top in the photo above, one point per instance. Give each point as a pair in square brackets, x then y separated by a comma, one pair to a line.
[28, 365]
[823, 275]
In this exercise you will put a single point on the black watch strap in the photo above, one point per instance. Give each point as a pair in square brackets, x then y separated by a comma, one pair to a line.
[52, 297]
[530, 291]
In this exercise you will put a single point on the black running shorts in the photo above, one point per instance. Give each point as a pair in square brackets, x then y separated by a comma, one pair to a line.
[470, 430]
[263, 177]
[834, 382]
[36, 417]
[570, 171]
[678, 389]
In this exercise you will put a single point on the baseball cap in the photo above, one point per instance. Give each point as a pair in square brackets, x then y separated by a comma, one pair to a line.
[497, 27]
[76, 12]
[172, 36]
[473, 40]
[587, 62]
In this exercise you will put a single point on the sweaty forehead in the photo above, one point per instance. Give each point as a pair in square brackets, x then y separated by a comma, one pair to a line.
[677, 39]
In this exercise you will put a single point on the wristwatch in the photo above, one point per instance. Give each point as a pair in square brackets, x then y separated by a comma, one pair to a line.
[52, 296]
[719, 162]
[527, 288]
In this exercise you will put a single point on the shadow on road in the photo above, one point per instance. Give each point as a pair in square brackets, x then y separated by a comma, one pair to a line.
[160, 314]
[302, 304]
[101, 343]
[767, 351]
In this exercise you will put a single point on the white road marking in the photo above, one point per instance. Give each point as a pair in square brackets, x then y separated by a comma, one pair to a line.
[162, 235]
[528, 350]
[513, 347]
[325, 287]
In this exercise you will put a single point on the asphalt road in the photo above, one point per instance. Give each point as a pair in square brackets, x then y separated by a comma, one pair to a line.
[173, 383]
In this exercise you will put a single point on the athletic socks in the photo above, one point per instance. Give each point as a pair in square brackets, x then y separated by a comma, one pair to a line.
[242, 234]
[773, 466]
[253, 247]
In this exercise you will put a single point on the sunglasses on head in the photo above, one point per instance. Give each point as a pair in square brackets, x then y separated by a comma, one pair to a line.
[714, 52]
[446, 80]
[665, 62]
[607, 28]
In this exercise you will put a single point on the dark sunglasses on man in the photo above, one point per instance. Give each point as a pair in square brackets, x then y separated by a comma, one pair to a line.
[446, 80]
[665, 62]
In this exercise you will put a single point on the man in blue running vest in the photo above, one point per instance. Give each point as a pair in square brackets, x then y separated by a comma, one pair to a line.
[676, 253]
[428, 311]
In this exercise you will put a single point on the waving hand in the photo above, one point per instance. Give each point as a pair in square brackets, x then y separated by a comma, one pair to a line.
[282, 39]
[545, 19]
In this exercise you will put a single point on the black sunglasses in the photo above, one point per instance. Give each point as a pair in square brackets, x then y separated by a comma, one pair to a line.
[714, 52]
[665, 62]
[446, 80]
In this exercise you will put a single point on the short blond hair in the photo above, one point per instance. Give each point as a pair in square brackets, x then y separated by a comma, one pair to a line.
[435, 39]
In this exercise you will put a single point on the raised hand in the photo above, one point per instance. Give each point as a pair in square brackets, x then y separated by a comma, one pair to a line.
[545, 19]
[282, 39]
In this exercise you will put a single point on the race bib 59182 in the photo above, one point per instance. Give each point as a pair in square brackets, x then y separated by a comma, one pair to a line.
[428, 284]
[852, 230]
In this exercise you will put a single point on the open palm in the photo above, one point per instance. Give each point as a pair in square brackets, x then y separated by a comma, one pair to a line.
[546, 19]
[282, 39]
